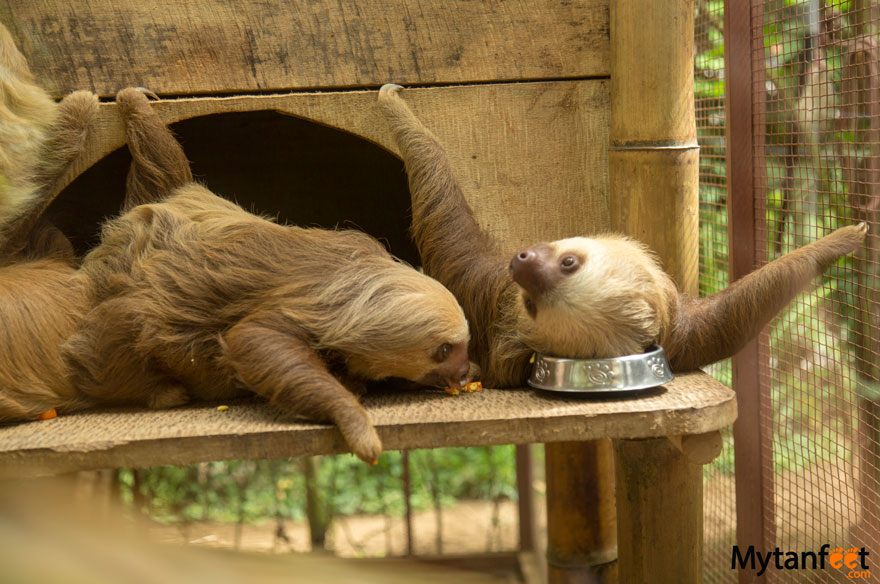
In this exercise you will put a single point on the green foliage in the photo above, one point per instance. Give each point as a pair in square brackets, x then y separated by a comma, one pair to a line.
[253, 490]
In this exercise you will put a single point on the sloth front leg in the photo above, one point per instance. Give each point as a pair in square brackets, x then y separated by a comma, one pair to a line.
[281, 367]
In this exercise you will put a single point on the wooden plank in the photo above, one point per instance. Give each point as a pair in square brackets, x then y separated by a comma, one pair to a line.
[530, 157]
[692, 404]
[217, 46]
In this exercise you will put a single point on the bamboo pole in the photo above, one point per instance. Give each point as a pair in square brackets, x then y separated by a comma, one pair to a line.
[653, 157]
[581, 518]
[653, 164]
[653, 174]
[661, 485]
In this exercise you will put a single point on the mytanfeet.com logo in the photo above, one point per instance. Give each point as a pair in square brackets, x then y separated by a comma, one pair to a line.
[852, 562]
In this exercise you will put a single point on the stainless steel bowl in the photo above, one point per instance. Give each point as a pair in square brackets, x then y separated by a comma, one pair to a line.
[627, 373]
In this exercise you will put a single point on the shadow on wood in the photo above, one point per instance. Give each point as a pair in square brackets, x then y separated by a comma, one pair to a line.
[270, 163]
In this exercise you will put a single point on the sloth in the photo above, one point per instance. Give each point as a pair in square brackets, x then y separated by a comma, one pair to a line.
[582, 297]
[195, 298]
[40, 297]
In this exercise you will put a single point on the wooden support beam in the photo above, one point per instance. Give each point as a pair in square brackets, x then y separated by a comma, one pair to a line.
[659, 510]
[581, 520]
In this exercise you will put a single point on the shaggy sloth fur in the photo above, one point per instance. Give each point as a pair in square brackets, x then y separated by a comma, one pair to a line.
[582, 297]
[196, 298]
[41, 300]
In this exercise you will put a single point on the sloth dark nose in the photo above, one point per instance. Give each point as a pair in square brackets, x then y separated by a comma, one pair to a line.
[526, 255]
[460, 377]
[534, 269]
[463, 370]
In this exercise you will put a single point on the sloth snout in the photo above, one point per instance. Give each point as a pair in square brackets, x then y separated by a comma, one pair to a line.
[460, 377]
[534, 269]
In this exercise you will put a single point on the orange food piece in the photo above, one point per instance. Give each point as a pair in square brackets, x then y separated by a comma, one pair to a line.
[49, 415]
[473, 386]
[452, 391]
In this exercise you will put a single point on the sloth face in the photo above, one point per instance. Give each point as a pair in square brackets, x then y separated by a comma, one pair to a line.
[444, 365]
[414, 329]
[590, 297]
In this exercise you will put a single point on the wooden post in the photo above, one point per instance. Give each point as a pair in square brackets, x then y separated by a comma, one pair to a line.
[581, 519]
[755, 514]
[660, 513]
[525, 479]
[653, 171]
[860, 90]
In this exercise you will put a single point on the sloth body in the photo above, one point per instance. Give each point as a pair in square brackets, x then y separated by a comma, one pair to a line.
[41, 296]
[583, 297]
[194, 298]
[188, 296]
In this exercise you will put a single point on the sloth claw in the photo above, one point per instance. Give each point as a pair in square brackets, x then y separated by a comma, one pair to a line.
[389, 90]
[147, 92]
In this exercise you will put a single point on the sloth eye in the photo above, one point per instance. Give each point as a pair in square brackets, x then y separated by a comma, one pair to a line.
[442, 352]
[569, 263]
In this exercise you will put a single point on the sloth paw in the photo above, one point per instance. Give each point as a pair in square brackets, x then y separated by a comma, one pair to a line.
[132, 98]
[168, 395]
[364, 442]
[80, 105]
[147, 92]
[389, 91]
[847, 239]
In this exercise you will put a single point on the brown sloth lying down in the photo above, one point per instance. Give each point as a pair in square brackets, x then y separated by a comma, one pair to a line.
[191, 297]
[584, 297]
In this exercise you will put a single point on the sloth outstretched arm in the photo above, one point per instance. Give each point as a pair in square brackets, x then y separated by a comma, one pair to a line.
[583, 297]
[709, 329]
[453, 248]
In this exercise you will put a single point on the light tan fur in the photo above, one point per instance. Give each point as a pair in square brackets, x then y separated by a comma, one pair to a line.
[41, 296]
[38, 139]
[618, 306]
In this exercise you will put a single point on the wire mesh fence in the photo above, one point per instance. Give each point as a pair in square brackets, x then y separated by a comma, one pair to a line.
[719, 499]
[819, 171]
[816, 96]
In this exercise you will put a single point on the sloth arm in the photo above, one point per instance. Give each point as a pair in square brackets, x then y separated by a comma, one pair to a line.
[710, 329]
[453, 248]
[278, 364]
[158, 164]
[77, 113]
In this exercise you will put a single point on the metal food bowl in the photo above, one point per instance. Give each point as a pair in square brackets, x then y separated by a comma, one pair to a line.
[627, 373]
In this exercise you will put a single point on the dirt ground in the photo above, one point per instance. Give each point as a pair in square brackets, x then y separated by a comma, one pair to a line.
[469, 527]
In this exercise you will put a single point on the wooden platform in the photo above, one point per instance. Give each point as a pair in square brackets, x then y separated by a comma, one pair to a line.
[692, 404]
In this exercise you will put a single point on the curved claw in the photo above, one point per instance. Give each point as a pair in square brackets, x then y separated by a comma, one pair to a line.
[389, 90]
[148, 93]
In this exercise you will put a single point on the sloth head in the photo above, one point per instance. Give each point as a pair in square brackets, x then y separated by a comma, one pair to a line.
[400, 323]
[591, 297]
